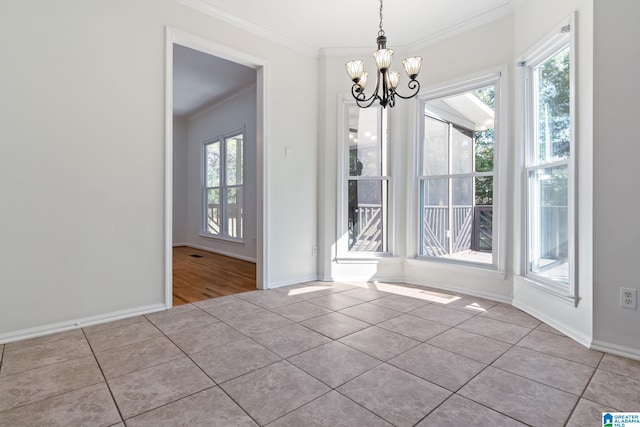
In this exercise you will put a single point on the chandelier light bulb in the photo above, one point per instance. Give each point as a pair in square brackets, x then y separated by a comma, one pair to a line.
[412, 66]
[394, 79]
[383, 58]
[363, 80]
[355, 70]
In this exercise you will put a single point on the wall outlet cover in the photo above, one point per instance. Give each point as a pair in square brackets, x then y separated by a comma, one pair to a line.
[628, 297]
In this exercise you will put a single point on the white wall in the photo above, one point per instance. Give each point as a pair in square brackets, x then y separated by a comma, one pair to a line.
[82, 157]
[533, 21]
[616, 174]
[179, 180]
[234, 114]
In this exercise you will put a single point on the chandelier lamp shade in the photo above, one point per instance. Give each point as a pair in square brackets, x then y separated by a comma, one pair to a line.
[386, 80]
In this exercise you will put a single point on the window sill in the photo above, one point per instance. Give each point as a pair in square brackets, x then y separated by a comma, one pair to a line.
[223, 239]
[553, 291]
[369, 258]
[450, 266]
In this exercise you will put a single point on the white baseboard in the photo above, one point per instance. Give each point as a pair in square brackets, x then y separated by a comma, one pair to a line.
[465, 291]
[483, 295]
[216, 251]
[274, 285]
[618, 350]
[577, 336]
[359, 279]
[68, 325]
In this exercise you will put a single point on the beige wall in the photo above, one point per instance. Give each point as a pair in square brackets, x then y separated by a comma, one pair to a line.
[616, 150]
[82, 157]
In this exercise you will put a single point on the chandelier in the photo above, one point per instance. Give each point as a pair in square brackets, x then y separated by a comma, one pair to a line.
[386, 80]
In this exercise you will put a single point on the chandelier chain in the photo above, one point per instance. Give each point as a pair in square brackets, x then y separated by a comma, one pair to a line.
[381, 32]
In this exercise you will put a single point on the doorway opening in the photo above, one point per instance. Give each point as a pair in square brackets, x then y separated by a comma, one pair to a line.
[199, 275]
[214, 171]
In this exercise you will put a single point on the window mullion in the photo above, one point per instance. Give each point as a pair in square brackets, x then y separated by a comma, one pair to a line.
[223, 186]
[549, 165]
[449, 188]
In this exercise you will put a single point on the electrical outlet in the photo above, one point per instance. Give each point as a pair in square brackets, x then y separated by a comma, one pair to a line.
[314, 250]
[628, 297]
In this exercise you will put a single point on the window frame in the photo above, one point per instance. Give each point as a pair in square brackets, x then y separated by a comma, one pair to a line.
[563, 36]
[499, 79]
[342, 239]
[223, 187]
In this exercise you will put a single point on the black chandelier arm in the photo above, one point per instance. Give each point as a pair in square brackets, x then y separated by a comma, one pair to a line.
[414, 85]
[369, 104]
[359, 95]
[361, 99]
[391, 99]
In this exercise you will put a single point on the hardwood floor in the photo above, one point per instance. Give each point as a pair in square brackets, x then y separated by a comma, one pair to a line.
[209, 275]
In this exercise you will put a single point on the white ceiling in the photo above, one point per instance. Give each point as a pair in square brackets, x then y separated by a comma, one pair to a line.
[354, 23]
[201, 80]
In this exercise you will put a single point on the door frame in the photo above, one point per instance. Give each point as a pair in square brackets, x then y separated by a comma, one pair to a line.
[175, 36]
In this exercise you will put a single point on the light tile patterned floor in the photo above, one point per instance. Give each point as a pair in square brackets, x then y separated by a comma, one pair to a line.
[317, 354]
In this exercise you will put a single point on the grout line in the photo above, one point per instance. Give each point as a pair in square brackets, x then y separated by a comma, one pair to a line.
[587, 387]
[154, 365]
[281, 359]
[169, 403]
[372, 324]
[302, 406]
[476, 376]
[238, 405]
[487, 407]
[557, 356]
[113, 398]
[23, 347]
[45, 366]
[215, 383]
[49, 397]
[536, 381]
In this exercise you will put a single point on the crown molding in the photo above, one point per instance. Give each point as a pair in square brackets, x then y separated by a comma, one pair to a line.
[208, 9]
[477, 21]
[347, 51]
[454, 30]
[469, 24]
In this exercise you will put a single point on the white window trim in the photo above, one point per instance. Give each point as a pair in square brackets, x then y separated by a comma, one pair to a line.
[203, 180]
[342, 251]
[551, 43]
[500, 79]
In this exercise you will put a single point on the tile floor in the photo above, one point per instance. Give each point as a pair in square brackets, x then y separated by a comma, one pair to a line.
[316, 354]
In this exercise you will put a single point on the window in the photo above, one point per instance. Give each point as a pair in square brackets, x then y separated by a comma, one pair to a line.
[224, 187]
[549, 111]
[367, 181]
[456, 175]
